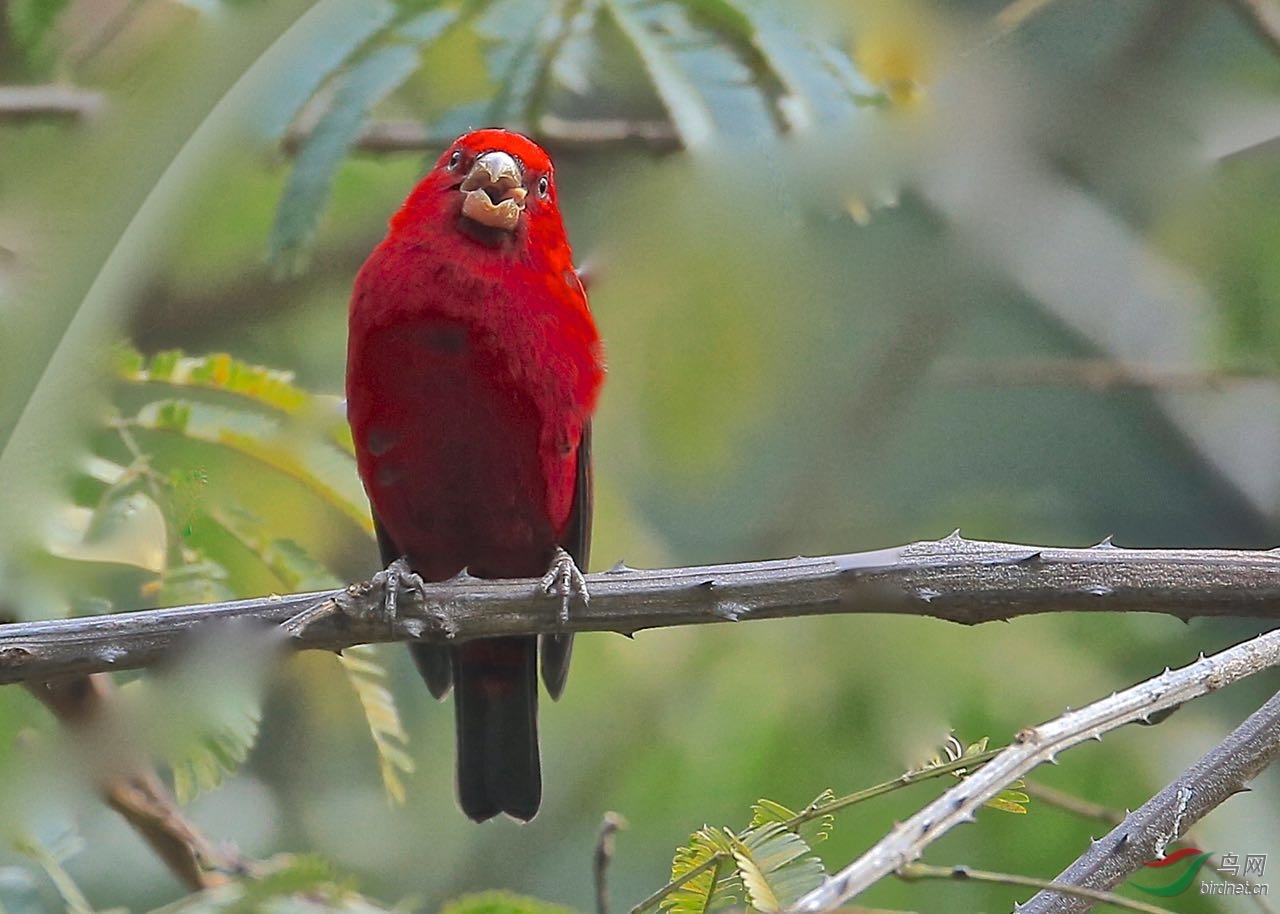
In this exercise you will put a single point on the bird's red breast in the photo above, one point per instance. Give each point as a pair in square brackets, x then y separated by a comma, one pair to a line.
[473, 365]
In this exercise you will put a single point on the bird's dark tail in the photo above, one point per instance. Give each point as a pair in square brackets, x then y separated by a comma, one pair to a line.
[496, 695]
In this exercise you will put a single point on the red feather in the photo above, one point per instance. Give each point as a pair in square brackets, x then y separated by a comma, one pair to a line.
[473, 370]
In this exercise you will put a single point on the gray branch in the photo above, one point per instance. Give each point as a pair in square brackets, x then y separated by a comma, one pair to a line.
[1197, 792]
[1220, 774]
[558, 134]
[955, 579]
[48, 101]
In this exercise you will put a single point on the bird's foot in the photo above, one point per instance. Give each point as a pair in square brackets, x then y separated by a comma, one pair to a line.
[564, 578]
[394, 579]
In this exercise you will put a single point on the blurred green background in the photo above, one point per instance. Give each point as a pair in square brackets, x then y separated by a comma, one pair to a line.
[866, 273]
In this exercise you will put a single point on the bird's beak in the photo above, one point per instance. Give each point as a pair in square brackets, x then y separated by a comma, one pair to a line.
[493, 191]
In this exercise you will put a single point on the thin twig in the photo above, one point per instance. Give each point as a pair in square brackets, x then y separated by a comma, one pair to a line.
[1034, 746]
[914, 871]
[1147, 832]
[603, 856]
[916, 776]
[955, 579]
[1069, 802]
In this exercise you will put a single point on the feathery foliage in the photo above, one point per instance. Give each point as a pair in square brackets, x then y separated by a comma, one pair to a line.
[705, 68]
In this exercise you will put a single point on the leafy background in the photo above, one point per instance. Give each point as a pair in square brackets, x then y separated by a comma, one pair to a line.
[866, 272]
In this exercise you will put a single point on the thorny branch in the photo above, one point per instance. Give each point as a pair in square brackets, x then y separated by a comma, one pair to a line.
[959, 580]
[1246, 752]
[1144, 834]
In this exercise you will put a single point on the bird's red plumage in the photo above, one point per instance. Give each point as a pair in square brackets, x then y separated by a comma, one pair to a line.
[473, 370]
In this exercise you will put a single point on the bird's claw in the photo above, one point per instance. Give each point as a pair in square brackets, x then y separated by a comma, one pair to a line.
[564, 578]
[392, 579]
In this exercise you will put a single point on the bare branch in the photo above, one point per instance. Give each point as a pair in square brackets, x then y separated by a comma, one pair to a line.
[1148, 830]
[959, 580]
[1037, 745]
[557, 134]
[51, 101]
[1089, 810]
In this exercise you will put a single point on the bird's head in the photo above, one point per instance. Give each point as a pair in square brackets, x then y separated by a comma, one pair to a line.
[493, 186]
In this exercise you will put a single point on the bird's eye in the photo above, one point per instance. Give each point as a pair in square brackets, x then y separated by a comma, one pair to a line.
[456, 159]
[544, 185]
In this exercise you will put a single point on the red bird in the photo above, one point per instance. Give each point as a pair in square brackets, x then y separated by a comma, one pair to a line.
[473, 367]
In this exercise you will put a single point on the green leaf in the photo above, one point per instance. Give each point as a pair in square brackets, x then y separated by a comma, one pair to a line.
[643, 26]
[295, 568]
[267, 387]
[766, 811]
[368, 679]
[526, 35]
[1012, 799]
[502, 903]
[720, 67]
[318, 465]
[776, 867]
[331, 40]
[712, 888]
[216, 754]
[195, 713]
[355, 92]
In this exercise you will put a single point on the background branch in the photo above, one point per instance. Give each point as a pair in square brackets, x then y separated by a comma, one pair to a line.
[22, 103]
[1202, 787]
[1148, 830]
[556, 133]
[959, 580]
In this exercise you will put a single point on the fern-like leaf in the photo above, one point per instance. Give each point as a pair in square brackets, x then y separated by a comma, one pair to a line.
[222, 373]
[355, 92]
[320, 467]
[219, 752]
[297, 570]
[218, 371]
[765, 811]
[712, 888]
[368, 679]
[1012, 799]
[776, 867]
[525, 36]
